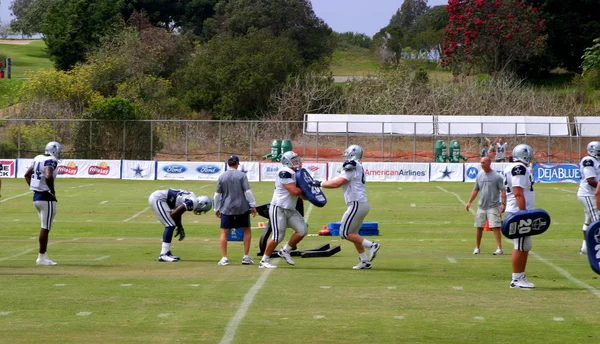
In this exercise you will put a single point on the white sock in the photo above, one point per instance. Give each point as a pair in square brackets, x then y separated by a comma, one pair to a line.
[518, 275]
[166, 247]
[366, 243]
[265, 258]
[245, 256]
[42, 256]
[583, 244]
[363, 257]
[287, 248]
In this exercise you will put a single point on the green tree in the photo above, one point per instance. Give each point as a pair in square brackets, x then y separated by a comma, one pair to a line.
[407, 14]
[29, 15]
[348, 39]
[292, 19]
[232, 77]
[591, 64]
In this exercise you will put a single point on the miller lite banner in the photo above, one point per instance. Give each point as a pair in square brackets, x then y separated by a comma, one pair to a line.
[138, 169]
[8, 168]
[185, 170]
[556, 173]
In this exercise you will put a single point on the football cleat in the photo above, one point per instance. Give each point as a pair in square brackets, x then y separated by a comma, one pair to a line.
[521, 283]
[373, 251]
[498, 252]
[286, 255]
[171, 255]
[266, 265]
[167, 258]
[45, 262]
[223, 261]
[476, 250]
[247, 261]
[583, 250]
[362, 266]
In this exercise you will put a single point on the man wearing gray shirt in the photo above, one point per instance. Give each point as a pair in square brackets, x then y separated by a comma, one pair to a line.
[234, 202]
[489, 207]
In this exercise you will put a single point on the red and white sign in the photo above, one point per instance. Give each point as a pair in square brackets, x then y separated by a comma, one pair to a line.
[79, 168]
[8, 168]
[388, 171]
[269, 170]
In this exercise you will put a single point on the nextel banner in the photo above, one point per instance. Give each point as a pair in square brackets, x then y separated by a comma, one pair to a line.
[556, 173]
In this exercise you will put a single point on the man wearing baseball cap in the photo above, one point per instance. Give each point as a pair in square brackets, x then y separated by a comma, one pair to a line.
[234, 202]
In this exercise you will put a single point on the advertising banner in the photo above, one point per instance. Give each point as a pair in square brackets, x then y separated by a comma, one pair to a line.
[388, 171]
[138, 169]
[556, 173]
[8, 168]
[441, 172]
[251, 168]
[269, 170]
[186, 170]
[22, 166]
[78, 168]
[472, 169]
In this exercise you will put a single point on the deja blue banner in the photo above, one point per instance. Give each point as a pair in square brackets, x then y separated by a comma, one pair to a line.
[556, 173]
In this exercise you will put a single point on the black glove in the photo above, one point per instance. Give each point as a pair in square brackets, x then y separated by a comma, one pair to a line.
[315, 183]
[180, 232]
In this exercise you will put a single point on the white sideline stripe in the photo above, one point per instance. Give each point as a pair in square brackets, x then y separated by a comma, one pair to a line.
[103, 257]
[451, 260]
[33, 249]
[103, 202]
[241, 312]
[136, 215]
[565, 190]
[80, 186]
[307, 214]
[543, 260]
[413, 205]
[13, 197]
[457, 197]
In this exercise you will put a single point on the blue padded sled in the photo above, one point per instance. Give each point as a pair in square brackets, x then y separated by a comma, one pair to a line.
[313, 194]
[592, 241]
[526, 223]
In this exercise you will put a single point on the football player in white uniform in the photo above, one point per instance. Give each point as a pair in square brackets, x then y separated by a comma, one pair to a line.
[40, 177]
[590, 174]
[354, 184]
[169, 205]
[283, 213]
[518, 182]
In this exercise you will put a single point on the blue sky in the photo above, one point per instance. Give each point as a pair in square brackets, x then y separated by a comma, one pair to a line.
[360, 16]
[4, 12]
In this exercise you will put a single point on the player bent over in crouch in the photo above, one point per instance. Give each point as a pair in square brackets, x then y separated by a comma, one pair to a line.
[169, 205]
[283, 213]
[40, 178]
[519, 194]
[354, 184]
[590, 175]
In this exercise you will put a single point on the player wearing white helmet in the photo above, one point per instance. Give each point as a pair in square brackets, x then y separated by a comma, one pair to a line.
[354, 184]
[169, 205]
[518, 182]
[40, 177]
[283, 213]
[589, 168]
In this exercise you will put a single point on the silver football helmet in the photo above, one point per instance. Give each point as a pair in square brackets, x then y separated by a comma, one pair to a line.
[55, 149]
[522, 153]
[593, 149]
[291, 160]
[203, 205]
[353, 152]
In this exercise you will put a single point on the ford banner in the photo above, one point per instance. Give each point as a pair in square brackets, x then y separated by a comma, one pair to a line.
[556, 173]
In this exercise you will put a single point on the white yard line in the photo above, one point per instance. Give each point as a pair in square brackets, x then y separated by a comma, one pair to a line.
[103, 202]
[136, 215]
[565, 190]
[457, 197]
[13, 197]
[542, 259]
[234, 323]
[33, 249]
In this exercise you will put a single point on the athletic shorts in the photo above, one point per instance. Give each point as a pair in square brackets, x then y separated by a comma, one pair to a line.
[235, 221]
[46, 211]
[492, 215]
[162, 210]
[353, 218]
[589, 208]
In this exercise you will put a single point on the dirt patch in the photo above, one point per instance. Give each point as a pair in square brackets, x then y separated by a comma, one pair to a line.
[16, 41]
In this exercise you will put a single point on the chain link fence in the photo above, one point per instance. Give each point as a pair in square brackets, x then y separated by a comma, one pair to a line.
[203, 140]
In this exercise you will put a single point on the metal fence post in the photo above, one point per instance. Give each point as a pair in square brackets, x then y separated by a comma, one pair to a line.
[187, 149]
[151, 139]
[415, 142]
[90, 147]
[317, 147]
[19, 139]
[220, 140]
[549, 135]
[250, 136]
[382, 141]
[124, 138]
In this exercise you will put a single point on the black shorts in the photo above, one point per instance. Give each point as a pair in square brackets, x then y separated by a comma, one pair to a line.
[235, 221]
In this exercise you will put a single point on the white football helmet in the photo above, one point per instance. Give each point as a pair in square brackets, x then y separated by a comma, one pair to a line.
[291, 160]
[55, 149]
[593, 149]
[522, 153]
[203, 205]
[353, 152]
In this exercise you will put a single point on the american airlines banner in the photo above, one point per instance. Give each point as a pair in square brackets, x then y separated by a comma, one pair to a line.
[268, 170]
[8, 168]
[186, 170]
[251, 168]
[441, 172]
[77, 168]
[388, 171]
[138, 169]
[472, 169]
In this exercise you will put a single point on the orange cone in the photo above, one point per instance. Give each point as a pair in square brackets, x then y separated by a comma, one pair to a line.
[487, 226]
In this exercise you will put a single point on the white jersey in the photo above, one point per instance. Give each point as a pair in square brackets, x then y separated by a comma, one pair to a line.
[176, 197]
[518, 174]
[38, 179]
[500, 150]
[589, 168]
[281, 196]
[356, 188]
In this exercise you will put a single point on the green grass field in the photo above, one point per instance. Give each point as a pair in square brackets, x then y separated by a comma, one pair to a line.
[425, 285]
[27, 58]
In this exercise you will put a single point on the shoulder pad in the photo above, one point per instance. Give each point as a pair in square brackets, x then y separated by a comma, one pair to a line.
[587, 162]
[349, 165]
[189, 204]
[518, 170]
[285, 175]
[51, 163]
